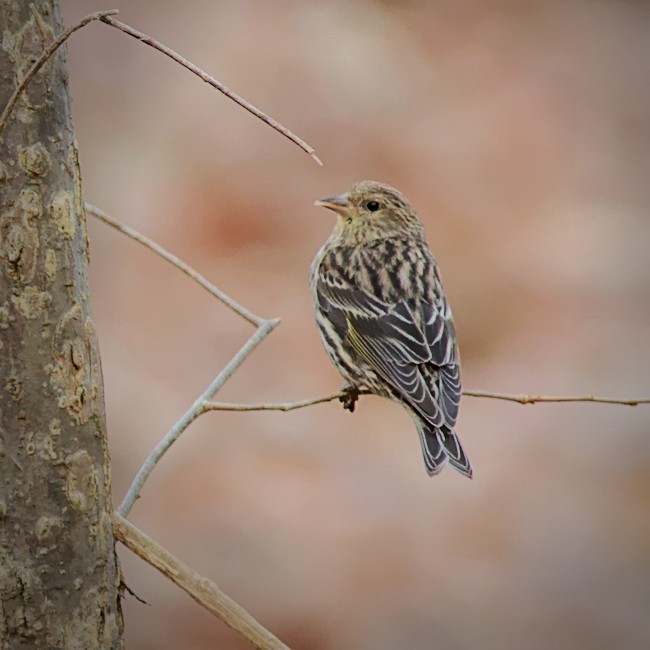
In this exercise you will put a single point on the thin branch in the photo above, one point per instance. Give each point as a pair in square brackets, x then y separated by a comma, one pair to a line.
[197, 408]
[520, 399]
[203, 590]
[274, 124]
[49, 51]
[178, 263]
[281, 406]
[534, 399]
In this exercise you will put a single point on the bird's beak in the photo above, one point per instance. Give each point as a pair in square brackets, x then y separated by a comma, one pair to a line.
[338, 203]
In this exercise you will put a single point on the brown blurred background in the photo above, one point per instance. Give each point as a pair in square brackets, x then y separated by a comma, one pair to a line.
[521, 133]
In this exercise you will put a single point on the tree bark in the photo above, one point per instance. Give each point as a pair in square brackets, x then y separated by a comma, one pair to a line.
[59, 576]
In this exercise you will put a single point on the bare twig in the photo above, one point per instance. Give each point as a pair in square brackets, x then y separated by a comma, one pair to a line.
[203, 590]
[105, 17]
[197, 408]
[49, 51]
[264, 327]
[534, 399]
[520, 399]
[281, 406]
[178, 263]
[274, 124]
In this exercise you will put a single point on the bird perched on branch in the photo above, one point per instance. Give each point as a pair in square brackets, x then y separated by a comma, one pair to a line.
[383, 317]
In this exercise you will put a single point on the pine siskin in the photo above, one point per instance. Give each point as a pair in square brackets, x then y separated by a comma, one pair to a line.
[383, 317]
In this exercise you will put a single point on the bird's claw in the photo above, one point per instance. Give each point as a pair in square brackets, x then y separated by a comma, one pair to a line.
[349, 397]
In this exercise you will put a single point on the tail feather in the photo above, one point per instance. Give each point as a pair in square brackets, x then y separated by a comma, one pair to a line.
[442, 446]
[435, 457]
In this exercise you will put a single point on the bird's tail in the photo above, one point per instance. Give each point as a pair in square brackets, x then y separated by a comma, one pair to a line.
[441, 446]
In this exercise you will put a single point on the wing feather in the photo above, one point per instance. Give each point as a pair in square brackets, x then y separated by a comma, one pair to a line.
[413, 348]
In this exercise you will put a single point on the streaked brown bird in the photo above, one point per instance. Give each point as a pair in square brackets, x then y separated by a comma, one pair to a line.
[383, 317]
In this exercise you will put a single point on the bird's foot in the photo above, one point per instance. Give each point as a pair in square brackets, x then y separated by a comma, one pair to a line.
[349, 397]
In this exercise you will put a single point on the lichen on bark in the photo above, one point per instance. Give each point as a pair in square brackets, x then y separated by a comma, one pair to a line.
[59, 577]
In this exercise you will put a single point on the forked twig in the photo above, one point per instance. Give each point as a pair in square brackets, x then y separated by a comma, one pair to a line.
[201, 589]
[274, 124]
[197, 409]
[264, 327]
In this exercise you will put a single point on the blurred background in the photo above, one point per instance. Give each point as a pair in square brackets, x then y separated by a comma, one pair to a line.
[521, 134]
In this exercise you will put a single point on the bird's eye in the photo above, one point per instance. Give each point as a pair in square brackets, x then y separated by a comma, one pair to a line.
[373, 206]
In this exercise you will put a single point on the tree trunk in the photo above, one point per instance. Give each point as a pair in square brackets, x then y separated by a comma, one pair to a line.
[59, 576]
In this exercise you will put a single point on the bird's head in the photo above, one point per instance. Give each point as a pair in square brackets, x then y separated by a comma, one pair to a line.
[370, 210]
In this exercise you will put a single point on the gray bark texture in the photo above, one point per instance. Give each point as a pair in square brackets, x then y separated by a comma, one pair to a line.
[59, 576]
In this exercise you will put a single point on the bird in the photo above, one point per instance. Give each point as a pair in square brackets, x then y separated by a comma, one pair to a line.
[383, 317]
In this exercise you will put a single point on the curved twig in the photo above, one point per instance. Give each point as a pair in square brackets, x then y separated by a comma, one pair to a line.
[274, 124]
[105, 17]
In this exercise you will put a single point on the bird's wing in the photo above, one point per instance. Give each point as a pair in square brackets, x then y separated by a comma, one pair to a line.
[392, 341]
[441, 338]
